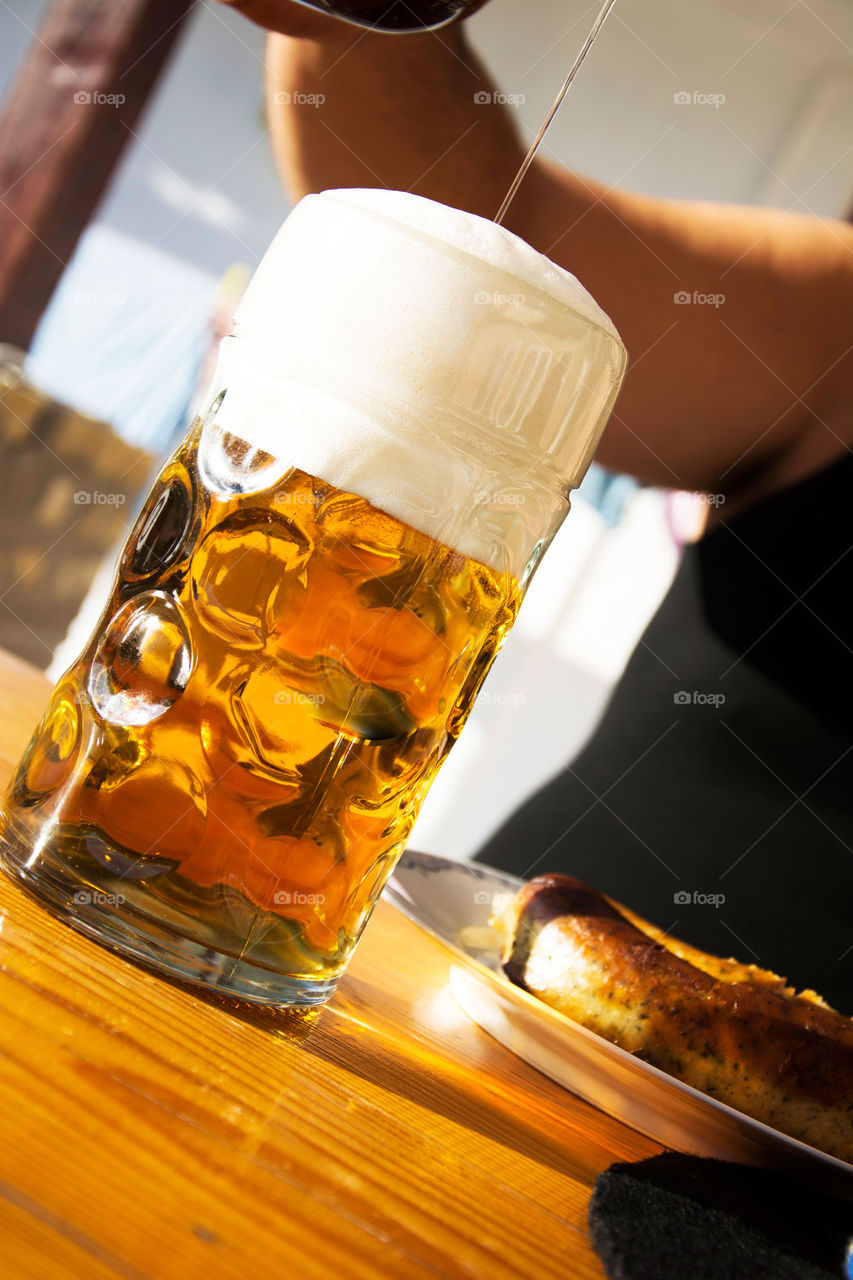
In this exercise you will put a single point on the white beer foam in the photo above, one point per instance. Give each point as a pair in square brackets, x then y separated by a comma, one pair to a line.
[375, 349]
[430, 485]
[484, 240]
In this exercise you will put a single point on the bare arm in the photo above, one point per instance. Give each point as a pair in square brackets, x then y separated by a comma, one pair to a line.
[746, 393]
[398, 111]
[746, 396]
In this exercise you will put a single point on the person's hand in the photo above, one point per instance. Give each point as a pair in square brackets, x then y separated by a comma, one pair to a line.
[292, 19]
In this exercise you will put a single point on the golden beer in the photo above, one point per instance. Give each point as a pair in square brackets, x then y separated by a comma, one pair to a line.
[240, 753]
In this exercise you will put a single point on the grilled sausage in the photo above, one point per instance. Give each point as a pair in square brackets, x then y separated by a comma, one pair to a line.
[734, 1031]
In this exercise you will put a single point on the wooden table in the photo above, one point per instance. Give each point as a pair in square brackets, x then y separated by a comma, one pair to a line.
[152, 1132]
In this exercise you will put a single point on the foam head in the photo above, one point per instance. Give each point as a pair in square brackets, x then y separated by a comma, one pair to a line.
[431, 351]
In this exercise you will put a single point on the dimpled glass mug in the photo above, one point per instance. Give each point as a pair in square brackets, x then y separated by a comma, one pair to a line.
[313, 594]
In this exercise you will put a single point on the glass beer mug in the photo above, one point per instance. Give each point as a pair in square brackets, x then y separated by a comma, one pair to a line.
[312, 595]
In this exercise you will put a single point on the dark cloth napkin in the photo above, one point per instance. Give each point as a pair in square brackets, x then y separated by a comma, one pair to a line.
[678, 1217]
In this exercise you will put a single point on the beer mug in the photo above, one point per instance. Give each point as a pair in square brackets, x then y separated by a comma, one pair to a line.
[312, 595]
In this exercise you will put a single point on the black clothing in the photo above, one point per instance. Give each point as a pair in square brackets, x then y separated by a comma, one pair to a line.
[676, 1215]
[724, 761]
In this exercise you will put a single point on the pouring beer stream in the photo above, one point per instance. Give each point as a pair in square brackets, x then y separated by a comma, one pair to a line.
[555, 107]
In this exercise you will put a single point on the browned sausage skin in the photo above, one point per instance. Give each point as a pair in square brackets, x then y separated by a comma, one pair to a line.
[732, 1030]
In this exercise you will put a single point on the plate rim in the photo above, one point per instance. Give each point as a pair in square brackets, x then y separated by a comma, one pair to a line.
[434, 863]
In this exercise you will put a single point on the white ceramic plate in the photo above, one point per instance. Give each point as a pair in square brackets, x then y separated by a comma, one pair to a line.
[452, 901]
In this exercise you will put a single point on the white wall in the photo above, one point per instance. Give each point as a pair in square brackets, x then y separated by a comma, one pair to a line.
[620, 124]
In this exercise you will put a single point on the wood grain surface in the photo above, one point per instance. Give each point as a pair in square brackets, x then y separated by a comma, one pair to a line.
[148, 1131]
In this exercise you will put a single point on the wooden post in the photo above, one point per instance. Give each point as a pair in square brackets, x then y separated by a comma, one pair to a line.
[65, 122]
